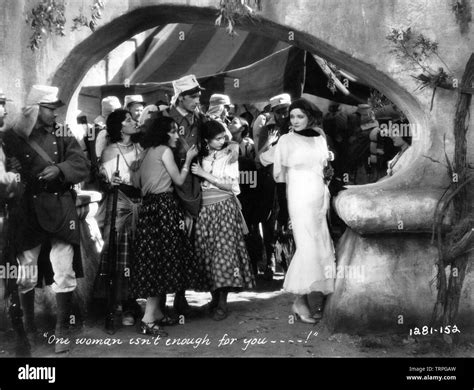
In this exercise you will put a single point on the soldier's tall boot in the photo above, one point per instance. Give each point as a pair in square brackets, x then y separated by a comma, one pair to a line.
[63, 301]
[27, 302]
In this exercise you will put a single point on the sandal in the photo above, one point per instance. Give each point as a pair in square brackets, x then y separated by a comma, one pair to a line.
[219, 314]
[318, 315]
[152, 329]
[167, 321]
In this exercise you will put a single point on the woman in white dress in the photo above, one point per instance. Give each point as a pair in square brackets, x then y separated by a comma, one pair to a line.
[299, 161]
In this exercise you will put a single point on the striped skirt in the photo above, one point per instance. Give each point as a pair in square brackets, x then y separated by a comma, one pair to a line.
[127, 213]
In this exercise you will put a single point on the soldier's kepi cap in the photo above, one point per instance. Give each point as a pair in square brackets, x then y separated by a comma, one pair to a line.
[219, 99]
[44, 95]
[280, 100]
[109, 104]
[131, 99]
[3, 97]
[185, 85]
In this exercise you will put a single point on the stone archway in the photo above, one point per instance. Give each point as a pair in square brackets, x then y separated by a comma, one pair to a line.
[370, 209]
[99, 44]
[81, 58]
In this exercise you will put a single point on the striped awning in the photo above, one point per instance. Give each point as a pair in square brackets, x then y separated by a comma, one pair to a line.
[202, 50]
[250, 68]
[280, 72]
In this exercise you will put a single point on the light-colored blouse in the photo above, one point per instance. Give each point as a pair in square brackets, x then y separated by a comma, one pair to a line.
[294, 151]
[152, 176]
[127, 156]
[218, 164]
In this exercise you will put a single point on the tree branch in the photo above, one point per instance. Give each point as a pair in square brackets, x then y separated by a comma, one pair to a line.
[465, 244]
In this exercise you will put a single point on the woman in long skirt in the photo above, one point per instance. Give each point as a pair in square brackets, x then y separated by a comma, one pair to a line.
[120, 128]
[164, 261]
[219, 239]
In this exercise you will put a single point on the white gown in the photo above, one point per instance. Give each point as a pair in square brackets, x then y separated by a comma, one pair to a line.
[299, 161]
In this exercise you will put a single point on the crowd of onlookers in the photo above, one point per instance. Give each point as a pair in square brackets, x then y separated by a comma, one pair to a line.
[202, 201]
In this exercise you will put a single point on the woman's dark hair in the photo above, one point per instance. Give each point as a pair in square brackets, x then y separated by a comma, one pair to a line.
[114, 124]
[157, 132]
[248, 117]
[314, 114]
[210, 129]
[245, 125]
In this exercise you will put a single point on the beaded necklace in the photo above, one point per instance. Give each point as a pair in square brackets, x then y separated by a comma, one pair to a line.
[128, 146]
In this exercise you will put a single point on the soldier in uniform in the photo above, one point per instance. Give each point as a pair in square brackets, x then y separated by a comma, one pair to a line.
[273, 195]
[51, 163]
[3, 109]
[8, 180]
[185, 110]
[9, 190]
[219, 108]
[135, 105]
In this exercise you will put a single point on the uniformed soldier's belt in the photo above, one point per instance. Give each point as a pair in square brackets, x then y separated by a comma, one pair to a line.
[54, 190]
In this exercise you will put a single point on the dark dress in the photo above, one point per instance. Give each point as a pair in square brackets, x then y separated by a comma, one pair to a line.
[164, 260]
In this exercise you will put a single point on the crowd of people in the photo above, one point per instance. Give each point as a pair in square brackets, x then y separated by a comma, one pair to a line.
[201, 199]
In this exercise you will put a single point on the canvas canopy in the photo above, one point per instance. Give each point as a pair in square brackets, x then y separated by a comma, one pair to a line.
[249, 68]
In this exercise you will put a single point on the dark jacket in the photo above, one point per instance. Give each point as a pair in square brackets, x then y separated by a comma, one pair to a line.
[189, 130]
[47, 210]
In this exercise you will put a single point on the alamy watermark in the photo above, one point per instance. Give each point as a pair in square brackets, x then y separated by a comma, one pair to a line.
[391, 129]
[248, 177]
[356, 272]
[12, 271]
[88, 132]
[245, 177]
[34, 373]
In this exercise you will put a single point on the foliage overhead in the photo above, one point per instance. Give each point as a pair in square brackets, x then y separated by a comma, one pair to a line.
[231, 11]
[46, 18]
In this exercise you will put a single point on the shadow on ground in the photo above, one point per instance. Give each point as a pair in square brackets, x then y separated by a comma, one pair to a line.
[260, 324]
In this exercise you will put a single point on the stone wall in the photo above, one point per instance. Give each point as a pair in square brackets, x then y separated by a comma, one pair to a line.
[349, 34]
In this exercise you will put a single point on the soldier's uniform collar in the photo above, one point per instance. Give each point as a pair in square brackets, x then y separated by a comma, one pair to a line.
[46, 129]
[182, 111]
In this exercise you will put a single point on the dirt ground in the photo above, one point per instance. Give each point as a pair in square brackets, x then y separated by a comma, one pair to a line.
[259, 325]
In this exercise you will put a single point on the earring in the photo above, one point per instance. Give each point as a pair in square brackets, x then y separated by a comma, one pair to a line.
[207, 147]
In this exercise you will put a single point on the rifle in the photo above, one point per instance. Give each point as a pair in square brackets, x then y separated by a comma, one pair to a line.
[22, 345]
[111, 260]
